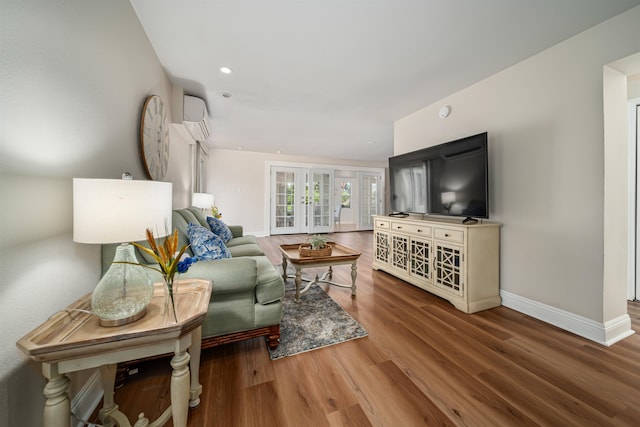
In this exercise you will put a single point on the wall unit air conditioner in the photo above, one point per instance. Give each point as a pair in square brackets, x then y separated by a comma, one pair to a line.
[196, 119]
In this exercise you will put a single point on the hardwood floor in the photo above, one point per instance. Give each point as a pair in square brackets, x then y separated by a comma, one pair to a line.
[424, 363]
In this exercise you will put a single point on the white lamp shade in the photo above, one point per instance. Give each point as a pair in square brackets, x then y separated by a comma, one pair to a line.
[202, 200]
[116, 211]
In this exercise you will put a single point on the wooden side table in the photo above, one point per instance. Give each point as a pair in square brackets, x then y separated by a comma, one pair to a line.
[72, 341]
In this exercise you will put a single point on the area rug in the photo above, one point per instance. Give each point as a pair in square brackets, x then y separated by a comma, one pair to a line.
[314, 322]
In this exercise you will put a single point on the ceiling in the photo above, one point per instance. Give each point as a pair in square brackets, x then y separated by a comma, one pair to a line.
[329, 77]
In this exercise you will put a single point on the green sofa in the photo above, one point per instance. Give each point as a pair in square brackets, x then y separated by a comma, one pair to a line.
[246, 300]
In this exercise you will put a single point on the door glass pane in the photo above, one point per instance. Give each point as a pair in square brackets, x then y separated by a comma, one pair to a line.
[285, 208]
[345, 194]
[322, 214]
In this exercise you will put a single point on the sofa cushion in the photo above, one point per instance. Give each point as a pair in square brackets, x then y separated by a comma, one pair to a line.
[270, 283]
[190, 217]
[198, 214]
[236, 230]
[205, 244]
[220, 228]
[243, 240]
[229, 275]
[245, 250]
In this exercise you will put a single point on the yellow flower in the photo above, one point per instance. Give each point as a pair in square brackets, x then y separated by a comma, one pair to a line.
[165, 254]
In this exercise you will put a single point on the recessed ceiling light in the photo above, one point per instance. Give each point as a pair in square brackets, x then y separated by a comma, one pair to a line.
[226, 70]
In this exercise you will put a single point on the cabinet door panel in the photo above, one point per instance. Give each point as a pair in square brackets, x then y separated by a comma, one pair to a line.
[420, 259]
[381, 248]
[400, 251]
[448, 268]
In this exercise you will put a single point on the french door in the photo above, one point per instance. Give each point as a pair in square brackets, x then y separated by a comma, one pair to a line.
[289, 200]
[321, 206]
[301, 200]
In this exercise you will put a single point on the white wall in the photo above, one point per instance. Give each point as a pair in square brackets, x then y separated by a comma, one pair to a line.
[545, 122]
[240, 189]
[73, 79]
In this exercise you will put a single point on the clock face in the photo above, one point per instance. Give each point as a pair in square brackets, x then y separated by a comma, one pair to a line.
[154, 138]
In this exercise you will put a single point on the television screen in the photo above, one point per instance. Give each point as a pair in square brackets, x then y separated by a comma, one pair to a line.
[446, 179]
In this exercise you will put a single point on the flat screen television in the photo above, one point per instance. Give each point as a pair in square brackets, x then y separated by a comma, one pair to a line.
[448, 179]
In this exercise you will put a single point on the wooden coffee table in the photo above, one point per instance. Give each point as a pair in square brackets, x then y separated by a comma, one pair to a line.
[340, 255]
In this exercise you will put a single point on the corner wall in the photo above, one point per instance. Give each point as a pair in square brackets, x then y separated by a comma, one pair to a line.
[545, 122]
[74, 76]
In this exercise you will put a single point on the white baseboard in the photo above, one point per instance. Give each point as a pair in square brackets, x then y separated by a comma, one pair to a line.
[87, 399]
[607, 333]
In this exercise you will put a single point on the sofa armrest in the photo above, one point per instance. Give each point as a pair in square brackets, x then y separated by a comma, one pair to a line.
[229, 275]
[236, 230]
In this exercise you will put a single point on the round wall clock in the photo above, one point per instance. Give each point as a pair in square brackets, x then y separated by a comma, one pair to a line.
[154, 138]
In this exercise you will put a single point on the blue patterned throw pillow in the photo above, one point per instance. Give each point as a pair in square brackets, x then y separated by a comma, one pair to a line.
[219, 228]
[205, 244]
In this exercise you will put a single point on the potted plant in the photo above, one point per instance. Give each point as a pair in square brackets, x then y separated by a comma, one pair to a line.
[316, 245]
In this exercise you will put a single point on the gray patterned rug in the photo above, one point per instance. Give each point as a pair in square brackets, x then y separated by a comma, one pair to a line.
[316, 321]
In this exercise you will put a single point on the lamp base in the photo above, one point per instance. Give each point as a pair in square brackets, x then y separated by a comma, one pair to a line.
[109, 323]
[123, 292]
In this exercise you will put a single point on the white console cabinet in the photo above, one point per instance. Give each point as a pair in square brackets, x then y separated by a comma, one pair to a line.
[458, 262]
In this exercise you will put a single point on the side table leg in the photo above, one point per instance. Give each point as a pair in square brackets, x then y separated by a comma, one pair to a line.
[108, 378]
[57, 408]
[194, 367]
[354, 274]
[180, 388]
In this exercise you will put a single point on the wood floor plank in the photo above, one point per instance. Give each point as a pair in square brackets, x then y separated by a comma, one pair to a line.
[329, 386]
[389, 398]
[423, 363]
[533, 395]
[219, 374]
[255, 365]
[273, 408]
[297, 389]
[353, 416]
